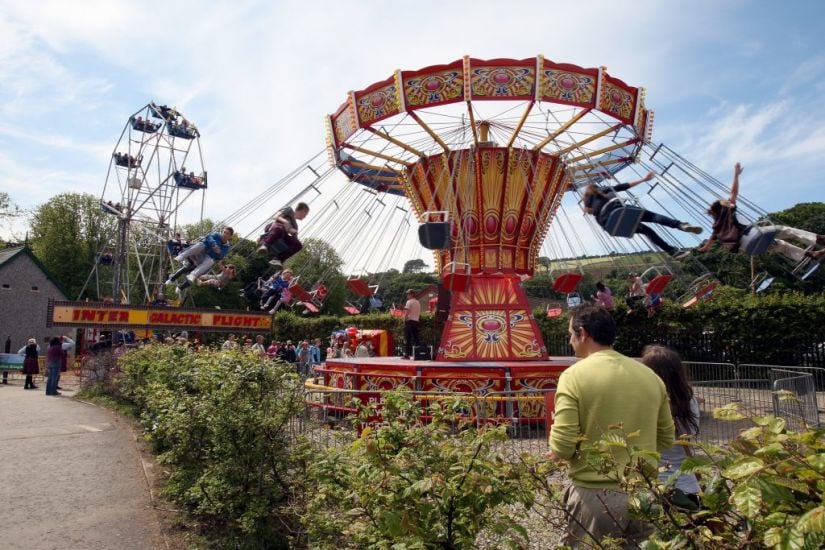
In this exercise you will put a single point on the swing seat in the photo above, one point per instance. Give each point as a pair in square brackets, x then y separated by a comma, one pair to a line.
[456, 281]
[375, 302]
[658, 284]
[351, 309]
[554, 310]
[359, 287]
[434, 233]
[310, 307]
[299, 293]
[574, 299]
[757, 240]
[567, 282]
[701, 293]
[623, 221]
[395, 312]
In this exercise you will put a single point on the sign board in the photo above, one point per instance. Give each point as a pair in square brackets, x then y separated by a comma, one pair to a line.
[116, 316]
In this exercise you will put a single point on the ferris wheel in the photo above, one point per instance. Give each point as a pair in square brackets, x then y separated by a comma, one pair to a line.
[155, 168]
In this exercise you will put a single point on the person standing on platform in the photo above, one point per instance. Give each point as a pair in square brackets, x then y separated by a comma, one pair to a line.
[588, 406]
[412, 314]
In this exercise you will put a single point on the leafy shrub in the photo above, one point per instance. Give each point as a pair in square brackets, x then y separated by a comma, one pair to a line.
[223, 422]
[763, 490]
[409, 484]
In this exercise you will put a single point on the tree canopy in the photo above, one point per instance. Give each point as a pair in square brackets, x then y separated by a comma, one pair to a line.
[66, 234]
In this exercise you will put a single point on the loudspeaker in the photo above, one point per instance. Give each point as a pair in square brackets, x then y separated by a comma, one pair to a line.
[422, 353]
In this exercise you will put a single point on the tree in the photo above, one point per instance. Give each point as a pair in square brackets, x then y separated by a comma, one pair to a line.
[66, 234]
[415, 266]
[805, 215]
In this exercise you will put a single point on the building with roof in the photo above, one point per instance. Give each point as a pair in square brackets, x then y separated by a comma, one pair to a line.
[25, 289]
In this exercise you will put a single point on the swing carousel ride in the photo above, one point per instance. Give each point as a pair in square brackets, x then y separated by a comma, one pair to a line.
[485, 151]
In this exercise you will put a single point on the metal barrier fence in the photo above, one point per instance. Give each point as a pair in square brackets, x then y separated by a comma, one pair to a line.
[787, 392]
[794, 398]
[329, 414]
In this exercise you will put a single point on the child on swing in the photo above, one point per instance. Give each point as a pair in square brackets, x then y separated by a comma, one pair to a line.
[220, 280]
[277, 291]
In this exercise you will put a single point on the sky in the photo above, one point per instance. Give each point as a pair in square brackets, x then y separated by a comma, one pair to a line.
[729, 80]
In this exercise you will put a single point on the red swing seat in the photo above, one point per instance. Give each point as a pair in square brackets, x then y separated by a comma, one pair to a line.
[454, 280]
[658, 284]
[553, 310]
[352, 309]
[360, 287]
[567, 282]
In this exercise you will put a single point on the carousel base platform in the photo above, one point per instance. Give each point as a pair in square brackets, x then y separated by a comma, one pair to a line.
[514, 390]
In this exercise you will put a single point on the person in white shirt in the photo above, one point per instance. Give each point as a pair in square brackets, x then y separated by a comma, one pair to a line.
[412, 314]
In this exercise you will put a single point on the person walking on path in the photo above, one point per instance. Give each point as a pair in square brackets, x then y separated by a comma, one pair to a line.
[588, 406]
[412, 314]
[30, 365]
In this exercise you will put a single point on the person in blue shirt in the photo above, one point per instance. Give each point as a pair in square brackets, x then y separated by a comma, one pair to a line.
[200, 257]
[315, 352]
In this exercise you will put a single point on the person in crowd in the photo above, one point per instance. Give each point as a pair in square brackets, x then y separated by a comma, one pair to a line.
[603, 296]
[287, 353]
[412, 314]
[199, 258]
[229, 343]
[281, 234]
[315, 352]
[635, 291]
[596, 202]
[258, 347]
[277, 291]
[30, 366]
[728, 230]
[272, 350]
[587, 407]
[7, 350]
[66, 343]
[304, 359]
[54, 356]
[684, 408]
[226, 274]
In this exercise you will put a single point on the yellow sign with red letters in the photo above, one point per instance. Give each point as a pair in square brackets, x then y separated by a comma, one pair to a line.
[110, 316]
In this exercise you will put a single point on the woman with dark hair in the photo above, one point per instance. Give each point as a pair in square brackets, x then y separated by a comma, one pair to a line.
[728, 230]
[685, 410]
[595, 202]
[30, 366]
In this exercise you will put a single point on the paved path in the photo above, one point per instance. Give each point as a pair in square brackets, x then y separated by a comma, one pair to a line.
[72, 475]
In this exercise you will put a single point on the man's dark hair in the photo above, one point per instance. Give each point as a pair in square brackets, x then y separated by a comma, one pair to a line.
[597, 321]
[302, 206]
[231, 231]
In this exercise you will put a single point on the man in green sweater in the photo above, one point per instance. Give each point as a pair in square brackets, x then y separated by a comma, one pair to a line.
[604, 391]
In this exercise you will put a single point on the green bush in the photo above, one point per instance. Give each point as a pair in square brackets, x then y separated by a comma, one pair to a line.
[223, 423]
[409, 484]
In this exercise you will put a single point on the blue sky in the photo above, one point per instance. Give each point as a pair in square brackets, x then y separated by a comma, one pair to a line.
[729, 80]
